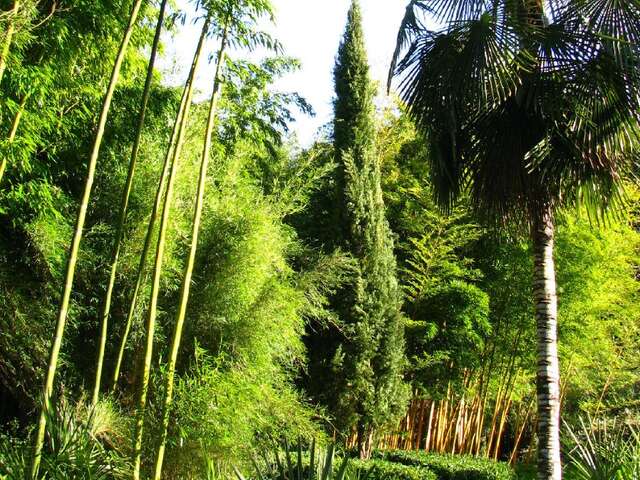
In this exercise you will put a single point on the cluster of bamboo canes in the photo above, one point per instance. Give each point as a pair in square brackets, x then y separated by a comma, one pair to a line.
[162, 204]
[473, 422]
[457, 424]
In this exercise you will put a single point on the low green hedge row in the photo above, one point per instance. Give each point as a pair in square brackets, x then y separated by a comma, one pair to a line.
[451, 467]
[377, 469]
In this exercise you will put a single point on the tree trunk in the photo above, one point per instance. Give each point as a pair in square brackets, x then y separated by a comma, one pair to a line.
[75, 245]
[126, 193]
[365, 442]
[157, 268]
[548, 375]
[186, 280]
[8, 38]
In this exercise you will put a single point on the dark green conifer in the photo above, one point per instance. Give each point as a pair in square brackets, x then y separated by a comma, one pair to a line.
[369, 361]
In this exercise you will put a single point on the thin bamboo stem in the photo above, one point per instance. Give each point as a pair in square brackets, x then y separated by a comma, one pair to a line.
[188, 273]
[126, 193]
[420, 430]
[12, 132]
[75, 245]
[157, 269]
[503, 420]
[8, 38]
[148, 237]
[514, 452]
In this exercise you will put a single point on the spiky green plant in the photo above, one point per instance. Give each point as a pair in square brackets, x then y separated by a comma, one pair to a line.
[79, 445]
[312, 464]
[598, 449]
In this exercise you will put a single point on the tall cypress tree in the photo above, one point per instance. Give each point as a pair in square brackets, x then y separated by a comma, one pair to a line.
[369, 360]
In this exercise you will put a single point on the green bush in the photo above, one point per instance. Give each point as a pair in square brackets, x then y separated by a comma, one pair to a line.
[452, 467]
[377, 469]
[82, 443]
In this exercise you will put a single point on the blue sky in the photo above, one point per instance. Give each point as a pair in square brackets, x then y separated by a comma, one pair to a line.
[310, 30]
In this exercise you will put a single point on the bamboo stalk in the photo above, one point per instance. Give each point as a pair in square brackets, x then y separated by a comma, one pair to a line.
[420, 429]
[147, 241]
[410, 420]
[427, 443]
[12, 132]
[514, 452]
[474, 420]
[481, 419]
[452, 425]
[126, 193]
[442, 422]
[494, 419]
[457, 425]
[157, 271]
[6, 46]
[186, 282]
[75, 245]
[505, 412]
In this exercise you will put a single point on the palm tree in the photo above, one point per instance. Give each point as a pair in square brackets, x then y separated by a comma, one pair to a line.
[126, 193]
[77, 237]
[528, 106]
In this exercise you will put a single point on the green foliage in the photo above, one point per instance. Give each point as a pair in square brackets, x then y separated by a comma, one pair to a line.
[448, 310]
[248, 303]
[451, 338]
[368, 363]
[451, 467]
[218, 412]
[296, 245]
[382, 470]
[82, 443]
[598, 302]
[241, 344]
[312, 463]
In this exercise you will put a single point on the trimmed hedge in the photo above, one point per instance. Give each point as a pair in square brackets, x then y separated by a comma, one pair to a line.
[451, 467]
[377, 469]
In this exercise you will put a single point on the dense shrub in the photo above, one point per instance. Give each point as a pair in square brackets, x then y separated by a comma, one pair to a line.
[377, 469]
[452, 467]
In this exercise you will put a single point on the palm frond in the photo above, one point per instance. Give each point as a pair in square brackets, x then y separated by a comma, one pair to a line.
[461, 10]
[410, 27]
[615, 22]
[474, 65]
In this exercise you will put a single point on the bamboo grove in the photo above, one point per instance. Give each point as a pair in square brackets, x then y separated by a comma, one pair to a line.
[442, 284]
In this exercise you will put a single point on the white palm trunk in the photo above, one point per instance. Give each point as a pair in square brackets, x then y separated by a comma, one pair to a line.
[548, 375]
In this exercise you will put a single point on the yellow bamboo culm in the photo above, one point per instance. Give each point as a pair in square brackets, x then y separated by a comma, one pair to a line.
[186, 281]
[8, 38]
[158, 261]
[75, 244]
[12, 133]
